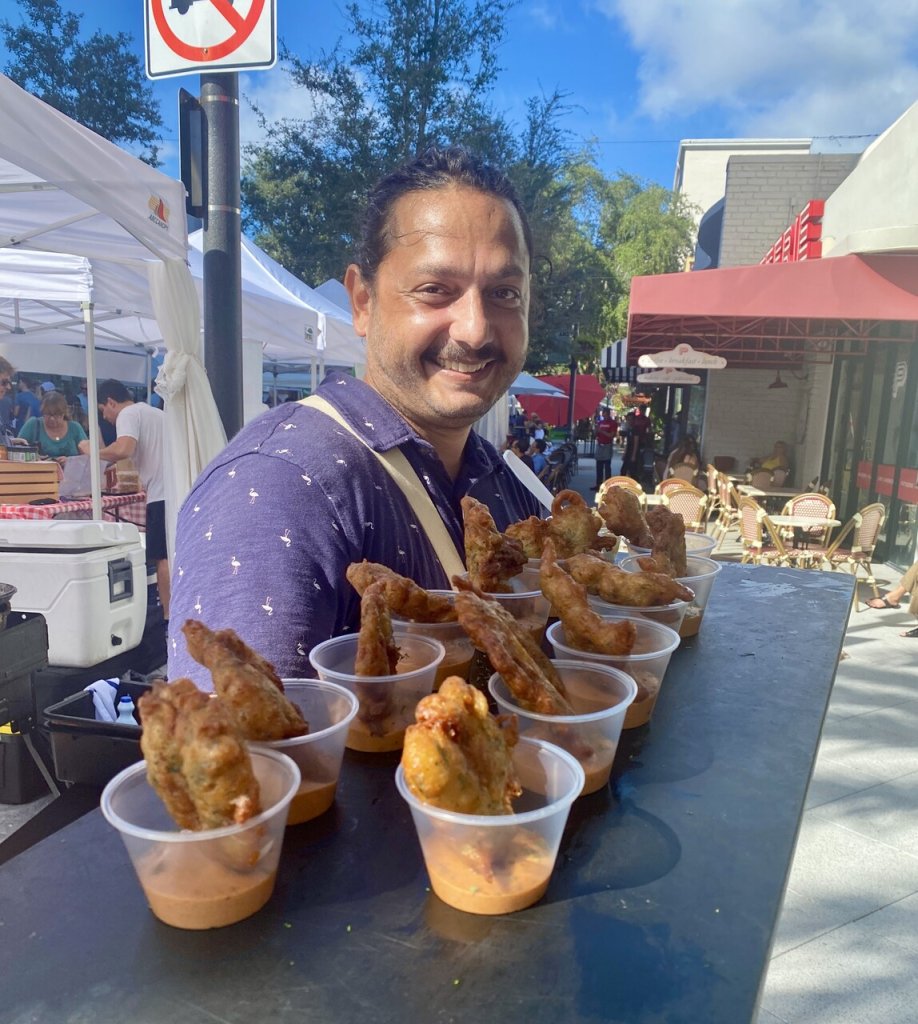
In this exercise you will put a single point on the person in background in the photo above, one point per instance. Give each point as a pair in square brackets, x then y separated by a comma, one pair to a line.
[776, 460]
[139, 430]
[907, 585]
[27, 404]
[56, 435]
[606, 430]
[521, 450]
[440, 291]
[686, 455]
[7, 404]
[539, 461]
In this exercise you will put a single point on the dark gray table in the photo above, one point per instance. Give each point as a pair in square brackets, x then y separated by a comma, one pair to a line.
[661, 908]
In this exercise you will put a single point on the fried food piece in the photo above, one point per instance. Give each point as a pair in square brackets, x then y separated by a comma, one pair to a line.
[377, 653]
[403, 596]
[612, 584]
[668, 529]
[458, 756]
[621, 512]
[490, 557]
[249, 686]
[574, 527]
[583, 628]
[658, 562]
[196, 757]
[529, 674]
[531, 534]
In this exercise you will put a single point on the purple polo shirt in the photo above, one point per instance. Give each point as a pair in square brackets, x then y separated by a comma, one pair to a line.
[271, 525]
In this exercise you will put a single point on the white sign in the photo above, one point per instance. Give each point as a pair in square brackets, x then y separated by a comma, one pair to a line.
[683, 355]
[189, 36]
[668, 376]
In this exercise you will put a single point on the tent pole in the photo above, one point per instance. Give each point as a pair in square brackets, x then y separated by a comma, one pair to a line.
[95, 476]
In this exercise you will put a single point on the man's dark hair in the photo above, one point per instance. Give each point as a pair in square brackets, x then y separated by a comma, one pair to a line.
[540, 444]
[113, 389]
[436, 168]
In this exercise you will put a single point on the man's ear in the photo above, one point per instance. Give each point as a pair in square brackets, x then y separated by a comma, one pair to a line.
[361, 298]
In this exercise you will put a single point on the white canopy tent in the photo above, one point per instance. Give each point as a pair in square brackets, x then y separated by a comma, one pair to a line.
[64, 189]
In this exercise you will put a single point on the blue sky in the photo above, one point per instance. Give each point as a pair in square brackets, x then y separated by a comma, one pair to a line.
[640, 74]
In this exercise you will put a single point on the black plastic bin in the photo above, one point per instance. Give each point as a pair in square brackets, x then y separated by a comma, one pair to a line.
[21, 782]
[88, 751]
[23, 650]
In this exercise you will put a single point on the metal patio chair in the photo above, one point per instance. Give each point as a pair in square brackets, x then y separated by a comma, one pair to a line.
[817, 506]
[853, 548]
[690, 503]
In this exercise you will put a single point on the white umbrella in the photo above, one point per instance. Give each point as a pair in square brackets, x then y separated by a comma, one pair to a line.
[526, 384]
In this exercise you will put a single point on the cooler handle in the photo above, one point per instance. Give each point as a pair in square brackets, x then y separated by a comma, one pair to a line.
[120, 580]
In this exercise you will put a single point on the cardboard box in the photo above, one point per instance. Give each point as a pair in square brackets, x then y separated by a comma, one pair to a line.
[88, 751]
[21, 482]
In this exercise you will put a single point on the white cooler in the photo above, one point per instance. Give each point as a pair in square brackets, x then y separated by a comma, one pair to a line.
[87, 578]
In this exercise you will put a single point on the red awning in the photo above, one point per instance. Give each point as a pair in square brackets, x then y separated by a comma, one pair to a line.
[765, 315]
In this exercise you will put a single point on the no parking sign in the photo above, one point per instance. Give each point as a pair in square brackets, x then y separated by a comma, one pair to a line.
[188, 36]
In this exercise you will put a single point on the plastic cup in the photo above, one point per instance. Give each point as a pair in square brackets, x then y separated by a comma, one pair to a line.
[646, 664]
[456, 642]
[496, 864]
[387, 702]
[670, 614]
[526, 603]
[695, 544]
[329, 709]
[206, 879]
[700, 580]
[600, 696]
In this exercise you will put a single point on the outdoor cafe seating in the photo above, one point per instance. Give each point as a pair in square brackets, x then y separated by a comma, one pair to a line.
[690, 503]
[762, 541]
[853, 548]
[811, 504]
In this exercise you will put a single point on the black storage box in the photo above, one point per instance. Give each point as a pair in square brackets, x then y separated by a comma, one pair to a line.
[20, 780]
[89, 751]
[23, 649]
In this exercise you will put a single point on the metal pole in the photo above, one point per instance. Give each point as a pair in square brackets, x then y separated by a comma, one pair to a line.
[223, 247]
[92, 406]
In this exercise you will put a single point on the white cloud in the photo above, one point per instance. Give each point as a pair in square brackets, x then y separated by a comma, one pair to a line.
[782, 68]
[275, 96]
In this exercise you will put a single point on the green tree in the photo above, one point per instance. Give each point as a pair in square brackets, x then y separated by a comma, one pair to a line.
[97, 81]
[418, 74]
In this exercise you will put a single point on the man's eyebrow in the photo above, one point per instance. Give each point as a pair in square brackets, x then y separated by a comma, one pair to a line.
[511, 269]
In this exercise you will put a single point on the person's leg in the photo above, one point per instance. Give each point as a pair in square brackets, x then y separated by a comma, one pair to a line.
[907, 585]
[163, 584]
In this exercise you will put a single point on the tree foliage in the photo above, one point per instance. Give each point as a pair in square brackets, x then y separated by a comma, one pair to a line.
[420, 72]
[97, 81]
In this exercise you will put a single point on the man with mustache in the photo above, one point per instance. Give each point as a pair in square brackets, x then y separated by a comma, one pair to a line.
[440, 291]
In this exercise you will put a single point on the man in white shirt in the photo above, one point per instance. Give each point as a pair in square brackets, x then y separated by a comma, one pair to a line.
[140, 437]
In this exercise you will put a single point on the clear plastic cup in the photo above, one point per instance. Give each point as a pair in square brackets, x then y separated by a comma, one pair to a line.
[600, 696]
[329, 709]
[206, 879]
[700, 580]
[646, 664]
[387, 703]
[695, 544]
[456, 642]
[670, 614]
[526, 603]
[496, 864]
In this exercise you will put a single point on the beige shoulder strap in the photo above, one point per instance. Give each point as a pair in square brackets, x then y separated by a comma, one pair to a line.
[399, 468]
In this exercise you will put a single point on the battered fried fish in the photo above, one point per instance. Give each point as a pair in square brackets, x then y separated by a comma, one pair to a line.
[377, 655]
[458, 756]
[574, 527]
[529, 674]
[403, 596]
[637, 589]
[490, 557]
[249, 686]
[621, 512]
[583, 628]
[531, 534]
[668, 529]
[658, 562]
[196, 757]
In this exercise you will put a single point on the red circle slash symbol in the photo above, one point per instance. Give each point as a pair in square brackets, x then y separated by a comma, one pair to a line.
[241, 28]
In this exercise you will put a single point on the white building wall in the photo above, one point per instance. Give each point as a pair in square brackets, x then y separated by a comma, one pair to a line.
[876, 208]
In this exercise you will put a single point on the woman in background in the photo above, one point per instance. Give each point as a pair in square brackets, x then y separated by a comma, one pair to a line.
[56, 435]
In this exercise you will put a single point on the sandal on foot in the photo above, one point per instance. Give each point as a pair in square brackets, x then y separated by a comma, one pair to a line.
[913, 633]
[884, 603]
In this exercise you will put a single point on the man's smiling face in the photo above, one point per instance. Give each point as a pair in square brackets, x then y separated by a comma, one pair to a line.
[446, 317]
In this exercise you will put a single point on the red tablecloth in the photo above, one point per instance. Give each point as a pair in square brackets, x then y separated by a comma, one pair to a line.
[129, 508]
